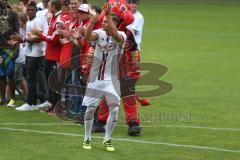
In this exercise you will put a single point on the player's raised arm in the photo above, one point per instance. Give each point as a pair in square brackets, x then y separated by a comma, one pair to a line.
[89, 35]
[112, 27]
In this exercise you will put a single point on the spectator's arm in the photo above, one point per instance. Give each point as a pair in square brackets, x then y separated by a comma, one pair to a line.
[54, 39]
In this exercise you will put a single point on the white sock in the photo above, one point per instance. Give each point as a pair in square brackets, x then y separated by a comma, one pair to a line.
[111, 122]
[88, 122]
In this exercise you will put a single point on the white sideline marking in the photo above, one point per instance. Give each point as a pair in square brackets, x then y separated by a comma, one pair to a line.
[126, 140]
[196, 127]
[72, 124]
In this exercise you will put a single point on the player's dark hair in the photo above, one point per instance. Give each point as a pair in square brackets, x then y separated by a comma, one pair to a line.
[115, 17]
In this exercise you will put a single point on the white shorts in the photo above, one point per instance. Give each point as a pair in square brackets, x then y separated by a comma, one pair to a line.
[102, 88]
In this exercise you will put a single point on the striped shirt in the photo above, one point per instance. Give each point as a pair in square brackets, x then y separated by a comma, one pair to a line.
[106, 56]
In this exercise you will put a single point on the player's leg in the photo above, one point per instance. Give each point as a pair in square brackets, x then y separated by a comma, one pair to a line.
[110, 125]
[102, 116]
[113, 100]
[88, 122]
[91, 100]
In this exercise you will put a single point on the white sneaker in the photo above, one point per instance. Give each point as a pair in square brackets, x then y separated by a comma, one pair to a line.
[26, 107]
[46, 104]
[16, 93]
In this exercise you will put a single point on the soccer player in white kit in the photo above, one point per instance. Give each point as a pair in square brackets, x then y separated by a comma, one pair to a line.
[103, 79]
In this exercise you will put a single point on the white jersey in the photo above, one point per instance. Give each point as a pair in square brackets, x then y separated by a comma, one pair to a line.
[138, 26]
[35, 49]
[106, 56]
[42, 15]
[22, 48]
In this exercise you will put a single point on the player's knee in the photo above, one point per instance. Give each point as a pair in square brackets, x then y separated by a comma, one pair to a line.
[89, 114]
[113, 113]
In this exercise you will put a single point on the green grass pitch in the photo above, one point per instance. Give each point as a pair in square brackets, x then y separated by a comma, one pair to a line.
[198, 41]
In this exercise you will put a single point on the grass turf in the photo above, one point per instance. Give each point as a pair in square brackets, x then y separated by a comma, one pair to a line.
[199, 44]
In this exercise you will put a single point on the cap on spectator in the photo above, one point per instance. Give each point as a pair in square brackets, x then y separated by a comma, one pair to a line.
[84, 8]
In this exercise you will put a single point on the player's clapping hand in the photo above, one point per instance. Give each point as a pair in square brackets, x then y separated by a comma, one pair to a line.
[107, 8]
